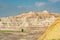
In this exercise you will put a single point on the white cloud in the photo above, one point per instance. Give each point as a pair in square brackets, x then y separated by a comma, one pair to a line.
[53, 1]
[39, 4]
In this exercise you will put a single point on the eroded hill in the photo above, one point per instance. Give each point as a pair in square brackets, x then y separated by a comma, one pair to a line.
[52, 32]
[30, 25]
[27, 20]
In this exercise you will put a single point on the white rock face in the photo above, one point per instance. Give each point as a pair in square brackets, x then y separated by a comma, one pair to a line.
[31, 19]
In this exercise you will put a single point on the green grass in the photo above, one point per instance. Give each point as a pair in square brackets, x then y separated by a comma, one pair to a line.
[8, 31]
[22, 30]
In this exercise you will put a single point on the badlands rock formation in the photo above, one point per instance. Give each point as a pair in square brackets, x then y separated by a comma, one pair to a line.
[52, 32]
[25, 20]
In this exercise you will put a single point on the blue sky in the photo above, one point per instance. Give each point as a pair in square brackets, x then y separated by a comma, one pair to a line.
[15, 7]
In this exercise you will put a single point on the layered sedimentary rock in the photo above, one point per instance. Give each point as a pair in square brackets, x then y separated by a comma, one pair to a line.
[25, 20]
[52, 32]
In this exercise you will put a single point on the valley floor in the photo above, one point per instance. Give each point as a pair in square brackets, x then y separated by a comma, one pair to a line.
[32, 35]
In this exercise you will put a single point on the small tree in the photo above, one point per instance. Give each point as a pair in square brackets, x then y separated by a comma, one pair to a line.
[22, 30]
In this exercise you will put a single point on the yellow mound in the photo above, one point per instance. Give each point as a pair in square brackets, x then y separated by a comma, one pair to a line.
[53, 32]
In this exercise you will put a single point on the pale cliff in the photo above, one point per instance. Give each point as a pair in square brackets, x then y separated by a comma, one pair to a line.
[30, 19]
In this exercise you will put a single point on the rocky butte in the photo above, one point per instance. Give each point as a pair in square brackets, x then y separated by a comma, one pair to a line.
[28, 20]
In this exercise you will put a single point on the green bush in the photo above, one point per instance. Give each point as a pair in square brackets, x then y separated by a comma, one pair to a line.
[22, 30]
